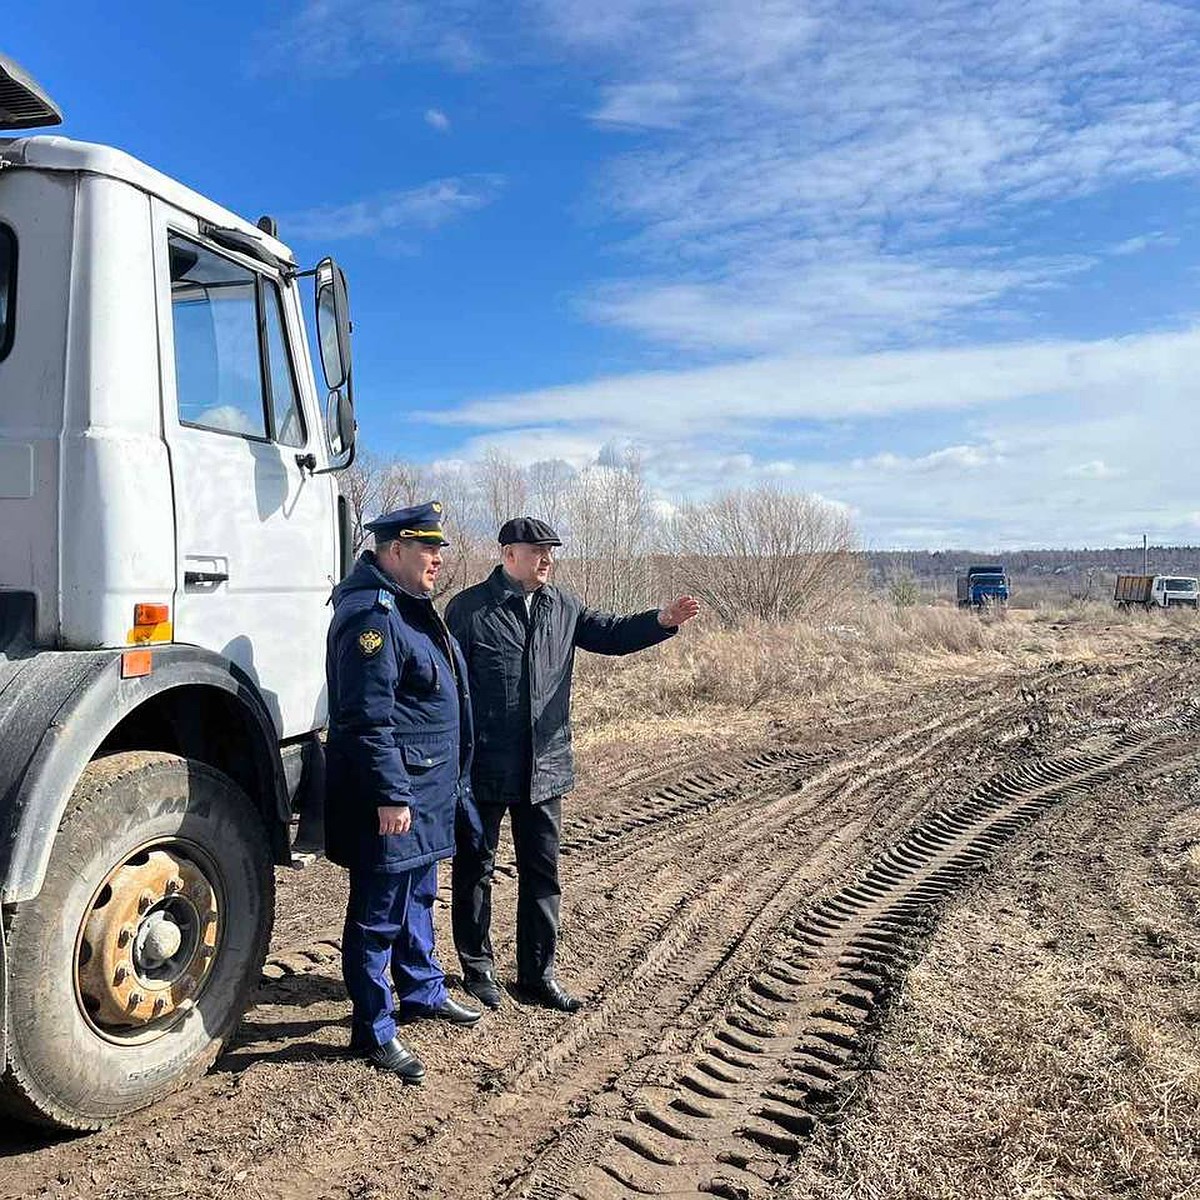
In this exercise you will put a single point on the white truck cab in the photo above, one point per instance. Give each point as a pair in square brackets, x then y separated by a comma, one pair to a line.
[170, 529]
[1173, 591]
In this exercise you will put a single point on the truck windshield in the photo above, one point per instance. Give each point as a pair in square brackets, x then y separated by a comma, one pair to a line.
[1180, 585]
[991, 580]
[8, 288]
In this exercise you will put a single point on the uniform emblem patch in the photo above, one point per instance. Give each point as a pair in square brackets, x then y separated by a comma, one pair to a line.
[369, 641]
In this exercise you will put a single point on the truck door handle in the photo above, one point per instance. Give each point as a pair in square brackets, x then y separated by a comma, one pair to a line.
[205, 577]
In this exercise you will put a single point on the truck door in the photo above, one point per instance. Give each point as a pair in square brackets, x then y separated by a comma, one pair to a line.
[254, 528]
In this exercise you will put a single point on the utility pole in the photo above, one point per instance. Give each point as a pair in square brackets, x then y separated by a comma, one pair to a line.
[1145, 557]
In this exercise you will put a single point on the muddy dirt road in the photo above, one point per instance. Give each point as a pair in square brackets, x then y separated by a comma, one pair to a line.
[739, 917]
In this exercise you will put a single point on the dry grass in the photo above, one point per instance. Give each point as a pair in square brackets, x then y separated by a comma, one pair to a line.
[708, 673]
[1047, 1045]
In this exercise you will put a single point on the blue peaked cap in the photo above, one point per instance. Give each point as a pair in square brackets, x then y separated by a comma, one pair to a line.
[423, 522]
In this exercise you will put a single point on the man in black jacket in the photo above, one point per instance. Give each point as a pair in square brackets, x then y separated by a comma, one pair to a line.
[518, 634]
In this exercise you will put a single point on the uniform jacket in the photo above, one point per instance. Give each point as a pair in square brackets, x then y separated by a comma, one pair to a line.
[519, 666]
[399, 725]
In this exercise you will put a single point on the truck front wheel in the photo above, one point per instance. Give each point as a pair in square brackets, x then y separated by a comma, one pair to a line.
[132, 966]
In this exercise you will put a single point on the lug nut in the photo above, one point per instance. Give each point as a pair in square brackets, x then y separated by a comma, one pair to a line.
[159, 1005]
[135, 998]
[119, 975]
[125, 936]
[173, 885]
[144, 901]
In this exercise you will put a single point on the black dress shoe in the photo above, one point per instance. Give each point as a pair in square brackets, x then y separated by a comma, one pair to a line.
[449, 1010]
[551, 994]
[394, 1057]
[484, 988]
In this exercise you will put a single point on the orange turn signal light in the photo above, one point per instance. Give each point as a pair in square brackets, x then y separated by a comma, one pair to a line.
[151, 623]
[135, 664]
[151, 614]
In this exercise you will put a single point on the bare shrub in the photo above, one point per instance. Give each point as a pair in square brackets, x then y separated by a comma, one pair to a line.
[766, 554]
[772, 664]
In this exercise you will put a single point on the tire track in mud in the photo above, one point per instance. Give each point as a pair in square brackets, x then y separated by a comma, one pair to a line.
[673, 804]
[725, 1117]
[679, 801]
[705, 932]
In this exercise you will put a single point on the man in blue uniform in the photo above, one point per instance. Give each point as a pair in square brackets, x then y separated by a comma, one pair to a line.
[398, 776]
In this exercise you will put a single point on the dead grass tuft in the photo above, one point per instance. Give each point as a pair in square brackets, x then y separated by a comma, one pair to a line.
[711, 673]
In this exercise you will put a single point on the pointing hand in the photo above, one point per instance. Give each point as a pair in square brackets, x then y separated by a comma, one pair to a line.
[681, 610]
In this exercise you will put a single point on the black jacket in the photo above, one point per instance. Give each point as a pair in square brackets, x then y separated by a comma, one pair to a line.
[399, 725]
[519, 668]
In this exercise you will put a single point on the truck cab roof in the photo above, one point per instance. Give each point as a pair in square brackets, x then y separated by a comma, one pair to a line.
[50, 153]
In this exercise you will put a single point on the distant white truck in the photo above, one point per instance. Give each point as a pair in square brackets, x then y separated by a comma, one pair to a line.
[1161, 591]
[170, 529]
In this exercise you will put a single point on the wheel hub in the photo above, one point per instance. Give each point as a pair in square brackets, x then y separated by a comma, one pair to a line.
[148, 942]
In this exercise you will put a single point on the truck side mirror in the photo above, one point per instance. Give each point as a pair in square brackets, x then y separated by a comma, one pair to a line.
[333, 323]
[333, 339]
[340, 429]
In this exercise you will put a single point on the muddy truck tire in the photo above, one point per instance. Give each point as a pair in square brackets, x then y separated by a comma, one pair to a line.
[132, 966]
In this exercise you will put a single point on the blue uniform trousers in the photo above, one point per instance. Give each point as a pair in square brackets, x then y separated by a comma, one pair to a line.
[389, 922]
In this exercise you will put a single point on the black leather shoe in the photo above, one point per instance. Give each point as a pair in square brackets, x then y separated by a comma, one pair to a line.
[394, 1057]
[551, 994]
[484, 988]
[449, 1010]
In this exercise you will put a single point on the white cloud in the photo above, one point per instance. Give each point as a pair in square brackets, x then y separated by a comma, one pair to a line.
[1095, 469]
[436, 119]
[337, 38]
[650, 105]
[765, 390]
[990, 445]
[802, 193]
[416, 209]
[950, 458]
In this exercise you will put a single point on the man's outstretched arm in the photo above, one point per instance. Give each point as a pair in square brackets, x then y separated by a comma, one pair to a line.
[608, 633]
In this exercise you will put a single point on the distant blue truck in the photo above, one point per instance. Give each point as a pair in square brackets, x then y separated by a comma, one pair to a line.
[983, 585]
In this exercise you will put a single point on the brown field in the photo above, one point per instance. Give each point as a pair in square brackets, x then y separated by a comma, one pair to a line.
[903, 905]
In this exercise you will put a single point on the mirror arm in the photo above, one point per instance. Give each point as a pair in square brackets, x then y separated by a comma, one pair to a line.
[341, 466]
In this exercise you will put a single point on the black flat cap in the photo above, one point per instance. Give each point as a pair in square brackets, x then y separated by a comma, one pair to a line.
[529, 530]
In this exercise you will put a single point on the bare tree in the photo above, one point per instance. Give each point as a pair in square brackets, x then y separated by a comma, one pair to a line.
[464, 560]
[503, 486]
[766, 554]
[612, 532]
[361, 484]
[404, 483]
[550, 483]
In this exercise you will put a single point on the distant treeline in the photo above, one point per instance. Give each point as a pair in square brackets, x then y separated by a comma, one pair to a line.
[1034, 574]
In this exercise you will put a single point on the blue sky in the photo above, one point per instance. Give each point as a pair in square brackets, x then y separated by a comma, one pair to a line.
[933, 260]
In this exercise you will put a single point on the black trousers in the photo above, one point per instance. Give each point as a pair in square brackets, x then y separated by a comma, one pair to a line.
[535, 829]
